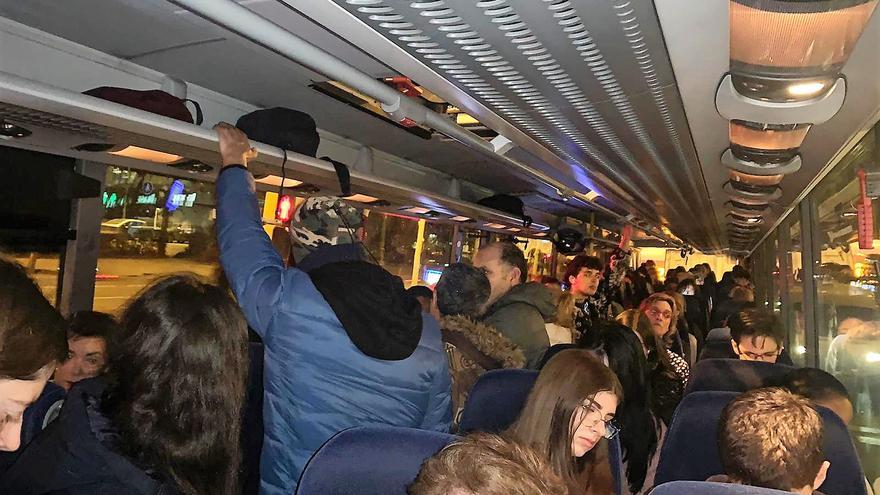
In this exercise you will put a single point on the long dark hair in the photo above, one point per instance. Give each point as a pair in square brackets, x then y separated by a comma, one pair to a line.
[638, 434]
[545, 422]
[32, 333]
[177, 384]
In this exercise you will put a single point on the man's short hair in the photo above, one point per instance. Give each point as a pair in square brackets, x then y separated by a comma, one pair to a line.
[771, 438]
[420, 291]
[578, 263]
[812, 383]
[741, 294]
[513, 257]
[91, 324]
[486, 464]
[756, 322]
[462, 290]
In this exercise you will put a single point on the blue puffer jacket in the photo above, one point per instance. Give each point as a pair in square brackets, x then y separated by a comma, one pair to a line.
[317, 382]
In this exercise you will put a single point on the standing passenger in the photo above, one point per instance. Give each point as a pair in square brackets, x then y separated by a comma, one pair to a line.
[345, 345]
[472, 346]
[87, 335]
[516, 309]
[568, 413]
[583, 275]
[659, 308]
[31, 344]
[167, 420]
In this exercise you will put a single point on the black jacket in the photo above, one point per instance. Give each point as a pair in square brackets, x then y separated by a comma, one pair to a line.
[74, 455]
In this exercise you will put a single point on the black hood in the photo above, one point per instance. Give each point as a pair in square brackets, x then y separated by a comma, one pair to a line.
[380, 318]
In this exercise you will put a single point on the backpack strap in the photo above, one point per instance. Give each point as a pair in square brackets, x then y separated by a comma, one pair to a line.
[199, 117]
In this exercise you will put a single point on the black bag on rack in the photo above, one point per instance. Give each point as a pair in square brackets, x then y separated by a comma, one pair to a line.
[508, 204]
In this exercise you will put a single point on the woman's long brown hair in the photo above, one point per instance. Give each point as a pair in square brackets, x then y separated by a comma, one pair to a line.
[545, 422]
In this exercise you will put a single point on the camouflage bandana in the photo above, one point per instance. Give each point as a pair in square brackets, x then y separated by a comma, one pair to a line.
[317, 223]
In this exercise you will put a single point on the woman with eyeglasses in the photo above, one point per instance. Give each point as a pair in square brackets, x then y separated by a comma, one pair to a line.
[569, 415]
[673, 371]
[622, 350]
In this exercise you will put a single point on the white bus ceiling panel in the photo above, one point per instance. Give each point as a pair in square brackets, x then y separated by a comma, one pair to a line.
[698, 45]
[588, 79]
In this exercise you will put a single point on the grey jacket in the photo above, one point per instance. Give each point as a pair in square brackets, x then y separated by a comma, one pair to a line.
[520, 315]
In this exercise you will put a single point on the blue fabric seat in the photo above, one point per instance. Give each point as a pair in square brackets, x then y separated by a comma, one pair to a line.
[496, 400]
[707, 488]
[690, 451]
[732, 375]
[370, 460]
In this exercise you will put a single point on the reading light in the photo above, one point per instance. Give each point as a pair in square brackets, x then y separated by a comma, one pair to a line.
[274, 180]
[147, 154]
[417, 210]
[362, 198]
[9, 130]
[495, 226]
[513, 229]
[460, 219]
[807, 89]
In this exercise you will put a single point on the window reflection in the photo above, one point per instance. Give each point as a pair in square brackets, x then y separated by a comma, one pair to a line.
[153, 225]
[849, 314]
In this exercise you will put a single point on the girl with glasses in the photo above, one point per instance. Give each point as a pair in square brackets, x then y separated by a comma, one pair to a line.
[569, 416]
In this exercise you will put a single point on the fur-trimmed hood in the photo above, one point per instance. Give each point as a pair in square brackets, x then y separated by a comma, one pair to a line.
[486, 339]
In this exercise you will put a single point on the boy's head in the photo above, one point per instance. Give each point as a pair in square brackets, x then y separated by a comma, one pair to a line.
[820, 387]
[772, 438]
[485, 464]
[756, 334]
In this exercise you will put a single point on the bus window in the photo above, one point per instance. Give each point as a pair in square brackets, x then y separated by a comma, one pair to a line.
[153, 225]
[848, 282]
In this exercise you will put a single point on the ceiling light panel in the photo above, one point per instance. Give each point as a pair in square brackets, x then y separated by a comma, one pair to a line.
[589, 80]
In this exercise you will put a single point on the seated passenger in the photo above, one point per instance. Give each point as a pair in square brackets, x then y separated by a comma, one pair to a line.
[561, 329]
[168, 417]
[32, 343]
[756, 334]
[485, 464]
[622, 350]
[820, 387]
[424, 295]
[344, 344]
[740, 298]
[515, 308]
[87, 335]
[472, 346]
[568, 413]
[771, 438]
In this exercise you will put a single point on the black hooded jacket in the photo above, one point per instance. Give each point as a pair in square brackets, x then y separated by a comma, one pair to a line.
[75, 455]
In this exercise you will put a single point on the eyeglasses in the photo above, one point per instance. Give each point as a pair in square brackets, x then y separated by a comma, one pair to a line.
[755, 356]
[589, 410]
[657, 312]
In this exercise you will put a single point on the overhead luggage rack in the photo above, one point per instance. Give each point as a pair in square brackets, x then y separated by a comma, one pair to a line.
[62, 122]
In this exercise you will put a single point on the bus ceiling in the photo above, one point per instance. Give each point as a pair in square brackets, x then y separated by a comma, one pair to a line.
[645, 113]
